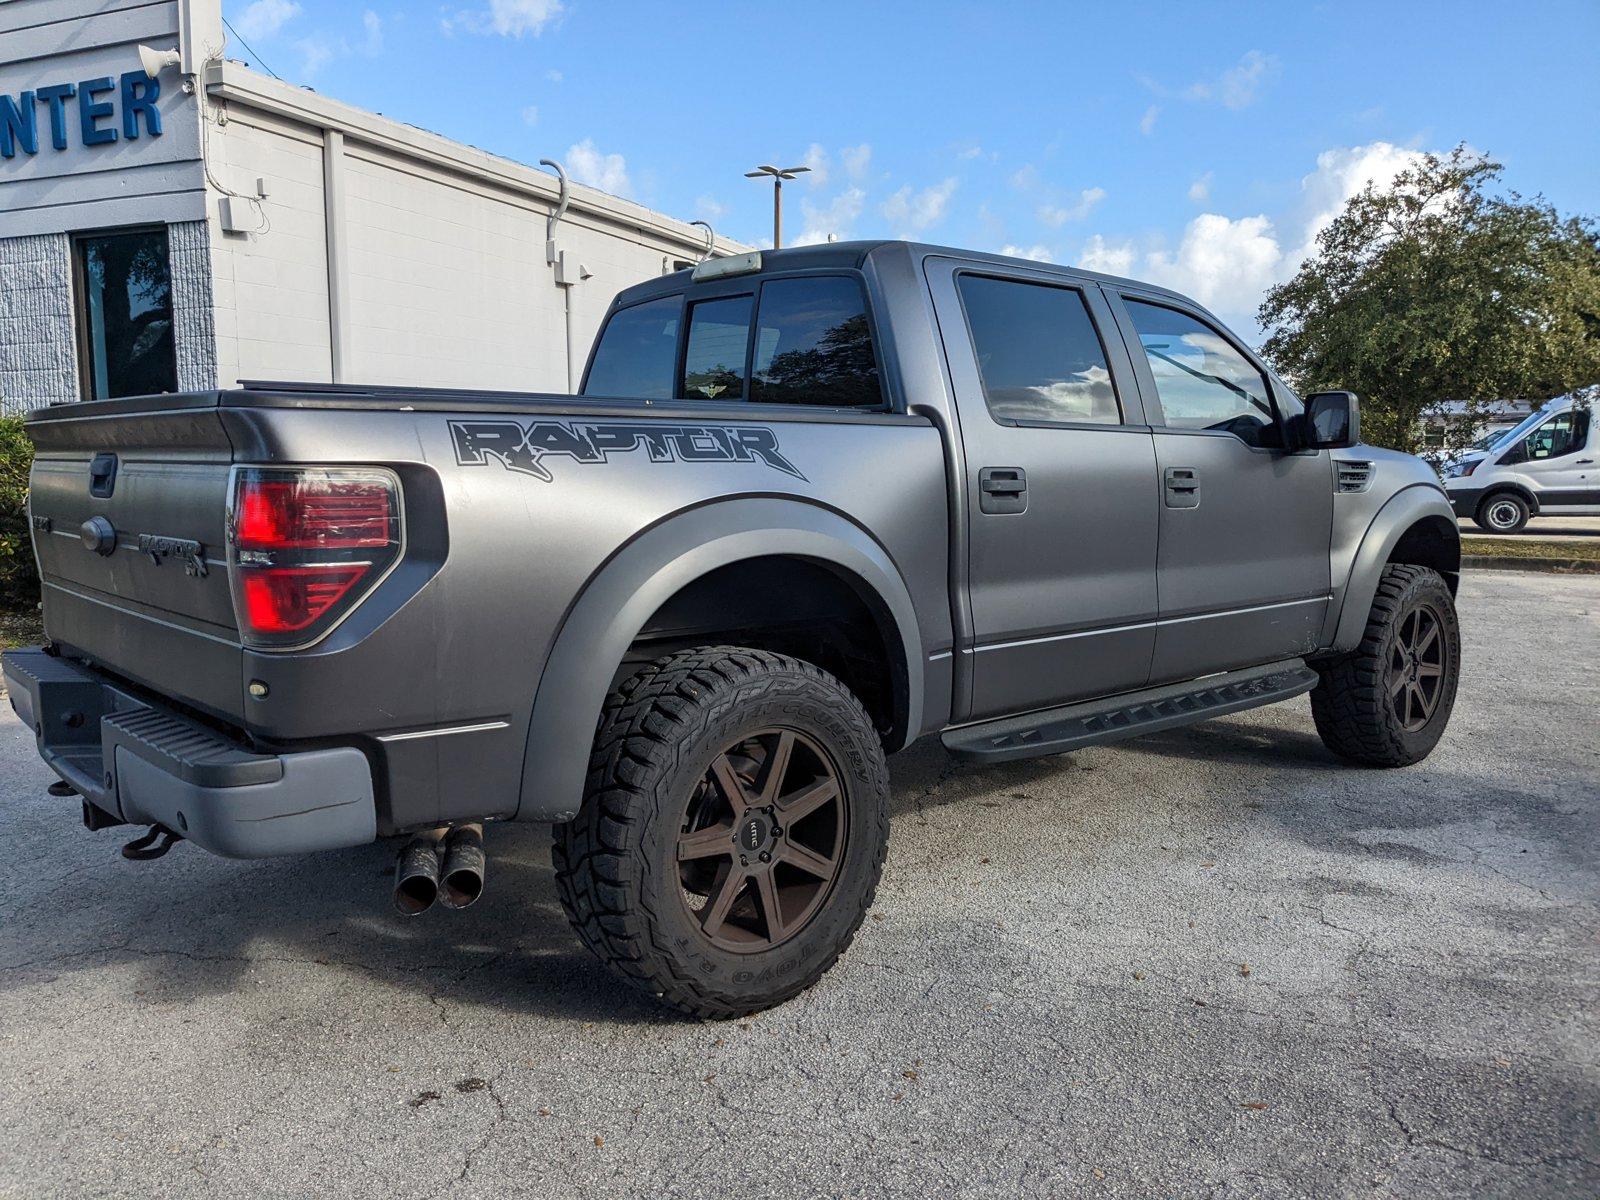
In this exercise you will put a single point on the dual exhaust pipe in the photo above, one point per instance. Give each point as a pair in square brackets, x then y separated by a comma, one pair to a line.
[444, 864]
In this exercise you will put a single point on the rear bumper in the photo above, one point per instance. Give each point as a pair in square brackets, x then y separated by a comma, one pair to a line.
[139, 763]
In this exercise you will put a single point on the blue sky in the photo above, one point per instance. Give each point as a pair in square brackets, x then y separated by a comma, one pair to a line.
[1201, 146]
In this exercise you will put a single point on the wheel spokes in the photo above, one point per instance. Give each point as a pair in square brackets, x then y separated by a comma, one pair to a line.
[777, 767]
[731, 786]
[801, 804]
[771, 910]
[806, 859]
[721, 904]
[705, 843]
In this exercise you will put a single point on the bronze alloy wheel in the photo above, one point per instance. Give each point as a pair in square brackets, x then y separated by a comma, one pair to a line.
[762, 840]
[1419, 661]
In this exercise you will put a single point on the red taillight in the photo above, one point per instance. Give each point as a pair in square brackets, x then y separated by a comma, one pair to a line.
[290, 599]
[312, 513]
[307, 544]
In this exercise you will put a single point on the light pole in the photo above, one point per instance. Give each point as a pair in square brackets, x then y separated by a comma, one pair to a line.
[778, 176]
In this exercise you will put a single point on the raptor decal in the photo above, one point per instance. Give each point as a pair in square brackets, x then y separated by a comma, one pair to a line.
[526, 447]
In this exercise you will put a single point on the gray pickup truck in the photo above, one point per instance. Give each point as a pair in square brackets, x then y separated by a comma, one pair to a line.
[810, 506]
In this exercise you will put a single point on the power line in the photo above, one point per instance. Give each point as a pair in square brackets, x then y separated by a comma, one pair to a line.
[251, 50]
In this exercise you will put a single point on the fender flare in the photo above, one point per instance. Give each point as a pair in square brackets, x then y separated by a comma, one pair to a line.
[1522, 490]
[1403, 510]
[617, 601]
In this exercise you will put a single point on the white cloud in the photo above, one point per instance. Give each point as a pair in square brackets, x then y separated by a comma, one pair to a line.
[317, 51]
[373, 24]
[554, 76]
[856, 160]
[608, 172]
[507, 18]
[530, 115]
[709, 208]
[971, 152]
[1058, 215]
[1037, 252]
[1025, 177]
[1200, 189]
[265, 18]
[1240, 85]
[1225, 264]
[817, 160]
[914, 211]
[820, 221]
[1341, 173]
[1147, 123]
[1109, 258]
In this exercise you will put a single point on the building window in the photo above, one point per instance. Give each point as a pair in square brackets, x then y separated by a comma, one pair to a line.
[124, 314]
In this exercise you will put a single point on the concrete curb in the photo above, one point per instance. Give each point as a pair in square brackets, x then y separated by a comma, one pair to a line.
[1506, 562]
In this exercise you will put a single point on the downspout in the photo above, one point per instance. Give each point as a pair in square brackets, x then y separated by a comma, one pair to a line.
[558, 259]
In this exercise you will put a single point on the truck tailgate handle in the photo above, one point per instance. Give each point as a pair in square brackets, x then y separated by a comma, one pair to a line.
[1004, 490]
[102, 475]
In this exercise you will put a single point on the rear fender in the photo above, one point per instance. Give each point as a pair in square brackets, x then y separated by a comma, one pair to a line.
[614, 606]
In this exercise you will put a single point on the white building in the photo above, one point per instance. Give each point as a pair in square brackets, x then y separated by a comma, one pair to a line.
[207, 224]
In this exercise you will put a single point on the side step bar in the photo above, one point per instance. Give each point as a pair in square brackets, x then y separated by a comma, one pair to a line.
[1096, 722]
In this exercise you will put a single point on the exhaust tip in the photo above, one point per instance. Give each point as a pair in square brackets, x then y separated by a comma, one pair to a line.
[464, 861]
[416, 874]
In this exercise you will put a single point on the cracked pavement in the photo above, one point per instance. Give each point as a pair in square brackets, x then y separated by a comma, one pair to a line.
[1214, 962]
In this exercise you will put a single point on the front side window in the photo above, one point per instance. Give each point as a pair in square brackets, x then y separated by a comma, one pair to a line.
[637, 352]
[1561, 435]
[1038, 353]
[713, 360]
[813, 345]
[1202, 381]
[124, 314]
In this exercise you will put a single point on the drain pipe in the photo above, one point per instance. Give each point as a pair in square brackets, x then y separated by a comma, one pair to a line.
[558, 258]
[711, 238]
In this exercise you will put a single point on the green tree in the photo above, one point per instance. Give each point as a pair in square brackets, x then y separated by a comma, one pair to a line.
[1437, 290]
[19, 577]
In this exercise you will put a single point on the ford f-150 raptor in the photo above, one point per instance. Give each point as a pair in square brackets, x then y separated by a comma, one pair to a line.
[809, 506]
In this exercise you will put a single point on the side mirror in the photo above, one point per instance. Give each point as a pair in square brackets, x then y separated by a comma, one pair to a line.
[1332, 420]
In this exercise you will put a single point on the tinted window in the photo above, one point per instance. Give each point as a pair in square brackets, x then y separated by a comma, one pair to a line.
[1038, 352]
[637, 352]
[713, 363]
[813, 345]
[1201, 380]
[125, 314]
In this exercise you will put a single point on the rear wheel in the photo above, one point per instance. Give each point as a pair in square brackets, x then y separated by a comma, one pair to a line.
[732, 832]
[1503, 512]
[1387, 702]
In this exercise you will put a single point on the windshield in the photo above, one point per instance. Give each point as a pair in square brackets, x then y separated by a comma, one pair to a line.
[1498, 441]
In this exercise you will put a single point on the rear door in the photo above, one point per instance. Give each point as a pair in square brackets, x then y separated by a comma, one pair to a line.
[1061, 487]
[1245, 526]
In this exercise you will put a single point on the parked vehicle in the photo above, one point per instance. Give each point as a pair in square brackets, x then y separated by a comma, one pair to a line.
[1545, 466]
[849, 496]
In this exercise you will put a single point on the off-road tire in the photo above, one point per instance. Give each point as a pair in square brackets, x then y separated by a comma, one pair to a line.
[1489, 515]
[1355, 715]
[616, 862]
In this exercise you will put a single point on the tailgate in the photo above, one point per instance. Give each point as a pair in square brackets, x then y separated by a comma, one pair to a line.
[128, 502]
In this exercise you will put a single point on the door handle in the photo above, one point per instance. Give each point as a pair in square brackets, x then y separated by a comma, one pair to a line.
[1586, 462]
[1182, 485]
[1003, 490]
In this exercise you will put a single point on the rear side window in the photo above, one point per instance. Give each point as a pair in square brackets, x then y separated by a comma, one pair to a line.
[637, 352]
[713, 360]
[813, 345]
[1038, 353]
[1202, 380]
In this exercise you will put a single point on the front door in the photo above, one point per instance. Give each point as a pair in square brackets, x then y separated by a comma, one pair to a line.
[1558, 460]
[1061, 488]
[1245, 526]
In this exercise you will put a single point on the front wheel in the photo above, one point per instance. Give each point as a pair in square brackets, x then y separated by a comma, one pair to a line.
[1386, 703]
[732, 832]
[1504, 512]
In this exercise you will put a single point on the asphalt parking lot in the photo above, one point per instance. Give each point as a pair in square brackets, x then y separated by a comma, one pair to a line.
[1213, 962]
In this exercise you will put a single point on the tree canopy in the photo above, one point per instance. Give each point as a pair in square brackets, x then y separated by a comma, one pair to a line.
[1438, 291]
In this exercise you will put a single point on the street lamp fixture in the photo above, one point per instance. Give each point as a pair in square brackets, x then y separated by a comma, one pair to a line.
[779, 174]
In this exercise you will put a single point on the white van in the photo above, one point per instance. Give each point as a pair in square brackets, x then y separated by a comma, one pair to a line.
[1545, 466]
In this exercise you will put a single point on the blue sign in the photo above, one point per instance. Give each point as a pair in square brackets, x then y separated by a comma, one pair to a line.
[96, 102]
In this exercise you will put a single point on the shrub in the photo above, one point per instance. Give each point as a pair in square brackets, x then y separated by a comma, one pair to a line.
[19, 574]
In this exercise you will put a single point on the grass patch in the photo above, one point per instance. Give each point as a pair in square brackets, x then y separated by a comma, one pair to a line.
[20, 629]
[1524, 547]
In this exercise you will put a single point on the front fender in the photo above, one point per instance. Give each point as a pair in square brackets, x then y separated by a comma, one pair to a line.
[1348, 615]
[617, 601]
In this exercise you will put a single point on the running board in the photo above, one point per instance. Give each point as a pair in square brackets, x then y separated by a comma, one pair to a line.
[1095, 722]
